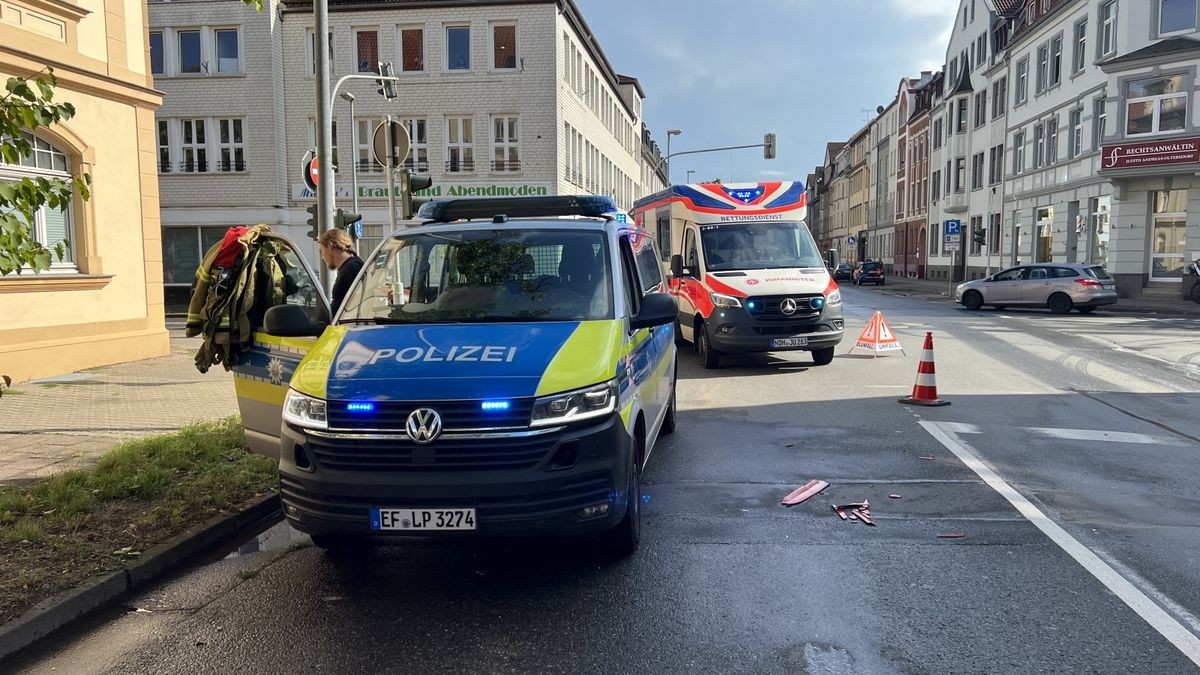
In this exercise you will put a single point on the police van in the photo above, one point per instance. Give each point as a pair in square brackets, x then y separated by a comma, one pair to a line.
[503, 368]
[744, 269]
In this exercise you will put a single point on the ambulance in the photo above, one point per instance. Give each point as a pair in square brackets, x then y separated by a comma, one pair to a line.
[505, 367]
[744, 269]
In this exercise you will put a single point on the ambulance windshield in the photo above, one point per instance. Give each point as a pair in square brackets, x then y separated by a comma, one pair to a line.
[485, 276]
[759, 245]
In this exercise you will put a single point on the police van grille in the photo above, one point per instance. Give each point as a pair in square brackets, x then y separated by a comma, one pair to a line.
[444, 454]
[456, 415]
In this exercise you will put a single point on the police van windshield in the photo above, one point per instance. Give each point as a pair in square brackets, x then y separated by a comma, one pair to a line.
[485, 275]
[758, 245]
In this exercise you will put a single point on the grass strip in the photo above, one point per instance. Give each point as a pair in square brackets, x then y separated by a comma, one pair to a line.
[57, 532]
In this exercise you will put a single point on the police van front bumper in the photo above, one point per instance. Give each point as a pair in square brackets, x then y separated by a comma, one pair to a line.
[543, 482]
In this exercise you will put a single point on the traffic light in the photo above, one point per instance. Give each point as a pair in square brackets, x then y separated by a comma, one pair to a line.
[387, 88]
[312, 221]
[769, 146]
[979, 236]
[410, 184]
[345, 219]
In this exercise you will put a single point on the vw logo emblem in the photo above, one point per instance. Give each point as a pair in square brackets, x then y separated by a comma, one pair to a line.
[787, 307]
[424, 425]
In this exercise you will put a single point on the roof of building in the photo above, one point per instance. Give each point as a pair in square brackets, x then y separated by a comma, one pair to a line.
[629, 79]
[964, 83]
[1169, 47]
[1008, 8]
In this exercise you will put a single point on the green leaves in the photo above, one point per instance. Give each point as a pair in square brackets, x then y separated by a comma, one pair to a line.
[27, 105]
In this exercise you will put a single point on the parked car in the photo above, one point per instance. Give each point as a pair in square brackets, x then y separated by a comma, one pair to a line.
[869, 272]
[1059, 286]
[843, 272]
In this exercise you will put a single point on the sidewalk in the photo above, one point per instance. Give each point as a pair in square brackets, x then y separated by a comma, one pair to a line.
[64, 422]
[929, 289]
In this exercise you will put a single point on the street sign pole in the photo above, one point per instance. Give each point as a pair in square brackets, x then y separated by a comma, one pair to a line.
[325, 191]
[354, 165]
[391, 176]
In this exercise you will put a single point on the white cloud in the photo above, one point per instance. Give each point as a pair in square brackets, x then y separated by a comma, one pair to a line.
[772, 173]
[926, 8]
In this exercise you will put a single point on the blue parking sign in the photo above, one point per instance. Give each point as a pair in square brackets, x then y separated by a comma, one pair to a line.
[953, 227]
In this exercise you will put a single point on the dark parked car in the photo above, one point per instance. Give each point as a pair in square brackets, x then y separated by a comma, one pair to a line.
[869, 273]
[843, 273]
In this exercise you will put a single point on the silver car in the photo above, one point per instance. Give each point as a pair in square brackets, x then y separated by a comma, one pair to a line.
[1059, 286]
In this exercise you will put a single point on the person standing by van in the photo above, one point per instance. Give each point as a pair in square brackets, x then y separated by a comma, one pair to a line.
[337, 252]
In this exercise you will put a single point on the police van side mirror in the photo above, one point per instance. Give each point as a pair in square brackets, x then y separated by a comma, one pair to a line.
[676, 265]
[658, 309]
[289, 321]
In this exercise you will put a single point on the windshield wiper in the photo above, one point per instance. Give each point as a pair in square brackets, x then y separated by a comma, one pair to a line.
[356, 321]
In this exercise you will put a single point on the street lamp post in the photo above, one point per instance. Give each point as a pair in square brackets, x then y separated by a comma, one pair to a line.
[347, 96]
[689, 175]
[670, 133]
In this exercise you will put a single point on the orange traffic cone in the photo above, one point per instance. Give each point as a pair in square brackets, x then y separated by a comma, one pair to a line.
[925, 389]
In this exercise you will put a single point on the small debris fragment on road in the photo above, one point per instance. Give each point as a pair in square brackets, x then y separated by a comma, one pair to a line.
[926, 457]
[860, 511]
[808, 490]
[951, 535]
[893, 496]
[838, 510]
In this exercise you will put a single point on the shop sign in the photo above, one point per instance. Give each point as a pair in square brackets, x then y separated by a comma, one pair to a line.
[372, 191]
[1150, 154]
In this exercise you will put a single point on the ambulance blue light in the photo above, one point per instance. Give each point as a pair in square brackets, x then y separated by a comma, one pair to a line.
[495, 406]
[360, 407]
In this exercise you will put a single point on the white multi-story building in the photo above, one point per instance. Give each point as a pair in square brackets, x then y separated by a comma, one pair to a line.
[500, 99]
[882, 219]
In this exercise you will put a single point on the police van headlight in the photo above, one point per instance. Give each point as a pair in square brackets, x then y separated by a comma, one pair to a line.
[305, 411]
[725, 301]
[573, 406]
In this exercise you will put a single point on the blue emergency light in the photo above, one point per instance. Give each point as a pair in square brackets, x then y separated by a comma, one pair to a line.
[366, 407]
[495, 406]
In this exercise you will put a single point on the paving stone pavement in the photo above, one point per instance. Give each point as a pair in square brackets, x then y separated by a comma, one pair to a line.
[65, 422]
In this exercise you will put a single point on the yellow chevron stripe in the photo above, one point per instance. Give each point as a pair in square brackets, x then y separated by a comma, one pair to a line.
[312, 375]
[587, 357]
[264, 392]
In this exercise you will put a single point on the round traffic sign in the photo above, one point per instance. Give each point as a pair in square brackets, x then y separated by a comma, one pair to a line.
[851, 240]
[399, 143]
[313, 173]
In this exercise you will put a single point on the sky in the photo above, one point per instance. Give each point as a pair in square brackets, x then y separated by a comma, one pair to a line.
[725, 73]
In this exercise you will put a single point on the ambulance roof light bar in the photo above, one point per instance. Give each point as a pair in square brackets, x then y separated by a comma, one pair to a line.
[450, 210]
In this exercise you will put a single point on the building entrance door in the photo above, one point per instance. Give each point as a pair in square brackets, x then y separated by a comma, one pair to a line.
[1168, 236]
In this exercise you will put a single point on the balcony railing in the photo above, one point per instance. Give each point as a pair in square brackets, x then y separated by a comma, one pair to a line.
[460, 165]
[506, 166]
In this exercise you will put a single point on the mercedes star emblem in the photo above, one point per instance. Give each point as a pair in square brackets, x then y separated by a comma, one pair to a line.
[424, 425]
[787, 307]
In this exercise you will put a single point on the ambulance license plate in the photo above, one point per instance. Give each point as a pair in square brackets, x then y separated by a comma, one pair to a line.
[789, 342]
[422, 519]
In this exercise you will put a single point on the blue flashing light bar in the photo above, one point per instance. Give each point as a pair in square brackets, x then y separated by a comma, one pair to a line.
[495, 406]
[360, 407]
[449, 210]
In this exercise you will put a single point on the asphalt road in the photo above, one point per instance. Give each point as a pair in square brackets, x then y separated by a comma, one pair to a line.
[1068, 459]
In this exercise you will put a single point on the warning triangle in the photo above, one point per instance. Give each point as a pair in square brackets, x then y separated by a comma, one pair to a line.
[878, 337]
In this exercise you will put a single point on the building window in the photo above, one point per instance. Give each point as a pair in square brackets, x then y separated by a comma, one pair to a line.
[1022, 88]
[1156, 105]
[1176, 16]
[458, 48]
[1108, 28]
[1043, 66]
[937, 133]
[1079, 58]
[460, 150]
[506, 154]
[312, 52]
[189, 52]
[50, 226]
[999, 97]
[418, 156]
[1056, 48]
[980, 108]
[977, 171]
[1099, 119]
[1075, 144]
[364, 152]
[366, 49]
[993, 234]
[981, 50]
[1018, 152]
[976, 225]
[1039, 144]
[164, 146]
[935, 236]
[231, 145]
[194, 151]
[948, 175]
[229, 60]
[937, 186]
[960, 174]
[412, 49]
[504, 47]
[962, 115]
[1052, 140]
[996, 165]
[156, 53]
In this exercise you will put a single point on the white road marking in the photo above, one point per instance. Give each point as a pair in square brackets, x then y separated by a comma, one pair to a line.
[960, 428]
[1094, 435]
[1166, 625]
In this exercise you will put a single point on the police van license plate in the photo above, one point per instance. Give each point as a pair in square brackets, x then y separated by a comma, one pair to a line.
[789, 342]
[422, 519]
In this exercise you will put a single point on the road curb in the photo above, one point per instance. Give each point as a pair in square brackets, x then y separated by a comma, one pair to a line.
[53, 613]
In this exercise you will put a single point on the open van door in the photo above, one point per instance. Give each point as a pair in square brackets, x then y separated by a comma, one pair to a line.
[262, 375]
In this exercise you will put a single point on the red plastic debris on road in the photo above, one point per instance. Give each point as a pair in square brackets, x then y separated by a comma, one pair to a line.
[808, 490]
